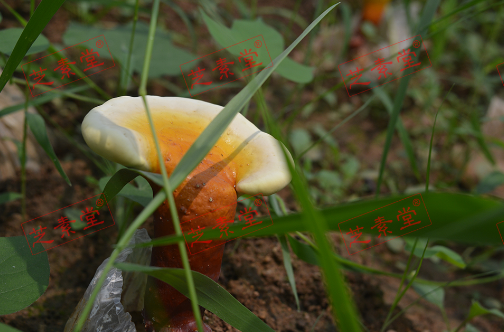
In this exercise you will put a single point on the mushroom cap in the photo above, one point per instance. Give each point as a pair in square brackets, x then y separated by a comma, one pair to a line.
[119, 131]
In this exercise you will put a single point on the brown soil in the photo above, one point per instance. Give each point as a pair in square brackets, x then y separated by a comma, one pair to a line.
[253, 273]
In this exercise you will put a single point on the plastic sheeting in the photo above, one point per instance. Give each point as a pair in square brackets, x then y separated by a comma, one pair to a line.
[108, 313]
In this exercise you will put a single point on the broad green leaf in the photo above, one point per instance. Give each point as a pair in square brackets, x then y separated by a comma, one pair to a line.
[9, 38]
[38, 128]
[439, 251]
[295, 71]
[242, 30]
[490, 182]
[210, 296]
[219, 32]
[289, 69]
[118, 40]
[7, 328]
[23, 277]
[42, 15]
[141, 196]
[8, 197]
[74, 214]
[433, 294]
[478, 310]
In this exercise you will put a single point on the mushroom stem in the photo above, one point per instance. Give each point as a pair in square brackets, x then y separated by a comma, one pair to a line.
[166, 309]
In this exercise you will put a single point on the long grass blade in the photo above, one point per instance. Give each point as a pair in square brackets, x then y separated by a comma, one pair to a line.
[288, 267]
[401, 131]
[37, 126]
[212, 296]
[427, 15]
[427, 175]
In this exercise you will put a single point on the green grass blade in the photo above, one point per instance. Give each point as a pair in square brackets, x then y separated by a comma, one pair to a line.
[37, 126]
[167, 188]
[455, 217]
[343, 306]
[427, 175]
[43, 14]
[183, 16]
[212, 296]
[38, 101]
[401, 131]
[207, 139]
[475, 122]
[127, 73]
[288, 267]
[423, 25]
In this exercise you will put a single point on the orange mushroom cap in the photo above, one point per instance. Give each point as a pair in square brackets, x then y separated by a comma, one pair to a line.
[119, 131]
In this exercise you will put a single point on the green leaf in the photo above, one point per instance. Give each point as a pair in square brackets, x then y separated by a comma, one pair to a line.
[7, 328]
[74, 214]
[442, 252]
[219, 32]
[329, 180]
[37, 126]
[300, 139]
[142, 196]
[118, 40]
[210, 295]
[478, 310]
[303, 251]
[23, 277]
[490, 182]
[431, 293]
[42, 15]
[295, 71]
[8, 197]
[241, 30]
[9, 38]
[455, 217]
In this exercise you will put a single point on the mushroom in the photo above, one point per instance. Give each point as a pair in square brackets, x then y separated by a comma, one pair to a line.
[244, 160]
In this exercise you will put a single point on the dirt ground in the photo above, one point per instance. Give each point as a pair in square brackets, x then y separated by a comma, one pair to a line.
[253, 273]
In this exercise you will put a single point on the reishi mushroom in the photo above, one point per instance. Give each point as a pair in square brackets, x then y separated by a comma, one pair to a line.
[245, 160]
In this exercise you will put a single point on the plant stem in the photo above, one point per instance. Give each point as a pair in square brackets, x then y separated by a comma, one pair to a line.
[126, 74]
[169, 192]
